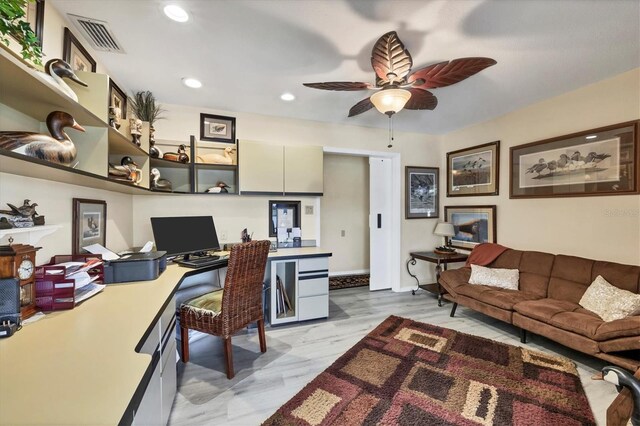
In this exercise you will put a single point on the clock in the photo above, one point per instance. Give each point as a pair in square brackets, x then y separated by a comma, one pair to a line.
[18, 261]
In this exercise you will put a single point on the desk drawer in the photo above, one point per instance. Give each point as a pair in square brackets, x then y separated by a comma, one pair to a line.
[313, 264]
[313, 307]
[313, 287]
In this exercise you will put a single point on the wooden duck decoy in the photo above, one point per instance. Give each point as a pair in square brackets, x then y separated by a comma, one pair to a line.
[180, 156]
[158, 183]
[220, 188]
[154, 151]
[226, 158]
[56, 70]
[57, 148]
[127, 170]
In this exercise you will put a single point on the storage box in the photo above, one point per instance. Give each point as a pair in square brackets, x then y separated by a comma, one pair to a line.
[135, 267]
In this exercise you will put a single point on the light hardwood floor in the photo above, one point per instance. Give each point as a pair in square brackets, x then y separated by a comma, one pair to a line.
[297, 353]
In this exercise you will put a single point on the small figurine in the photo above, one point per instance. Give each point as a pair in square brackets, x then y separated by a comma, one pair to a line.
[136, 130]
[220, 188]
[127, 170]
[180, 156]
[154, 151]
[4, 223]
[158, 183]
[227, 158]
[23, 216]
[114, 117]
[56, 70]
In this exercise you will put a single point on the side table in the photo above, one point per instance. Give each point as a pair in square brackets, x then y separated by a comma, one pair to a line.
[441, 260]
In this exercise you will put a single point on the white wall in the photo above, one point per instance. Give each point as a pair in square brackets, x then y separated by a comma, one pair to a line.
[345, 207]
[605, 227]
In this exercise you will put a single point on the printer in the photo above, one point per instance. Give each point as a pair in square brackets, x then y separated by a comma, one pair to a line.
[135, 267]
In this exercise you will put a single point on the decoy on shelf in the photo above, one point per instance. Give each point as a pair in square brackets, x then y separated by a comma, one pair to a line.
[220, 188]
[158, 183]
[226, 158]
[127, 170]
[57, 148]
[180, 156]
[25, 210]
[154, 151]
[56, 70]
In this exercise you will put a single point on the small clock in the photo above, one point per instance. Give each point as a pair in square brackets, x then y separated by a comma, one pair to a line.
[18, 261]
[25, 269]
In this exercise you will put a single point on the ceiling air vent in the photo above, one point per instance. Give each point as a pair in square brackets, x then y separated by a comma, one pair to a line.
[98, 33]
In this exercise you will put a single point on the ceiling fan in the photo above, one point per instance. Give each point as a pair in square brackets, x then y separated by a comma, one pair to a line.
[396, 86]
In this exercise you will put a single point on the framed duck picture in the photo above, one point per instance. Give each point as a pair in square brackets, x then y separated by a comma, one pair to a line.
[89, 224]
[474, 171]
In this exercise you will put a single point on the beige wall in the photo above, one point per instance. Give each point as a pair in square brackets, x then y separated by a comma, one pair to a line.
[606, 227]
[345, 206]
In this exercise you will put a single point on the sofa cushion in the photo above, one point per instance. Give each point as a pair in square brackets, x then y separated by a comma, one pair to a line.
[609, 302]
[454, 278]
[626, 277]
[625, 327]
[510, 259]
[498, 297]
[535, 269]
[544, 309]
[494, 277]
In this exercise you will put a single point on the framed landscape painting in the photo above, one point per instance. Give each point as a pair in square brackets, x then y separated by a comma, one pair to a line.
[601, 161]
[474, 171]
[422, 197]
[472, 225]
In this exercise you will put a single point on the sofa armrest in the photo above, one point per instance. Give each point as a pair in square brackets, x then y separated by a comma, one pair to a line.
[454, 278]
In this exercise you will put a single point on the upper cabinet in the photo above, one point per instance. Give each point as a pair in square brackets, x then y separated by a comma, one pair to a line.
[280, 170]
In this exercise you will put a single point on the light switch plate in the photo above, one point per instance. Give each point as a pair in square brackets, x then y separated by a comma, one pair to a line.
[308, 209]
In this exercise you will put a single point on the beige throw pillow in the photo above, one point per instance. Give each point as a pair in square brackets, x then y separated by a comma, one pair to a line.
[495, 277]
[608, 301]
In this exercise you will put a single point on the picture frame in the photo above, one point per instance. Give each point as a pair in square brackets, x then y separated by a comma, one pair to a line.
[217, 128]
[75, 54]
[422, 194]
[474, 171]
[89, 224]
[473, 225]
[601, 161]
[117, 98]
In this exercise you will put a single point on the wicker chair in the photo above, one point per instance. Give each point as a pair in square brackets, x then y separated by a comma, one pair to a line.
[224, 312]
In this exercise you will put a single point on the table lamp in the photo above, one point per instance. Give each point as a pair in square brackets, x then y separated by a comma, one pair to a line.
[444, 229]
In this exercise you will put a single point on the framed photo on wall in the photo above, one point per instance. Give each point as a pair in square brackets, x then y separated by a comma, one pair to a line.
[472, 225]
[117, 99]
[602, 161]
[422, 195]
[217, 128]
[75, 54]
[474, 171]
[89, 224]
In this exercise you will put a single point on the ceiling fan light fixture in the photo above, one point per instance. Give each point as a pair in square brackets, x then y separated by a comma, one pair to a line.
[390, 101]
[176, 13]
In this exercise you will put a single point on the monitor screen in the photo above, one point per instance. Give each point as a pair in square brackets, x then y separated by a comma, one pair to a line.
[184, 234]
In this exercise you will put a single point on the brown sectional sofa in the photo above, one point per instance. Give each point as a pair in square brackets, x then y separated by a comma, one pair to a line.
[547, 302]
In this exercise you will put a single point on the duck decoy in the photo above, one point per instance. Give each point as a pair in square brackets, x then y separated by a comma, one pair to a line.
[127, 170]
[158, 183]
[220, 188]
[180, 156]
[57, 148]
[226, 158]
[623, 379]
[154, 151]
[56, 70]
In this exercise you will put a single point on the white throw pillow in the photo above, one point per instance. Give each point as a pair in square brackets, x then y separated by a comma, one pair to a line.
[608, 301]
[495, 277]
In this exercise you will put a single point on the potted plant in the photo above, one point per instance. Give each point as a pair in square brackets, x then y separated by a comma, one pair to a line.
[13, 24]
[145, 108]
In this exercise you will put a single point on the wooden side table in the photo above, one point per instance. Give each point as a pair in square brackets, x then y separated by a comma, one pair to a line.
[441, 260]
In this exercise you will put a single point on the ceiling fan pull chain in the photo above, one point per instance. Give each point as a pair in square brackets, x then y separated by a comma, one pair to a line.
[390, 131]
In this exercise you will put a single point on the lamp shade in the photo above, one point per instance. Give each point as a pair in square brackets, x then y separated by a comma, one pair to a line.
[444, 229]
[390, 100]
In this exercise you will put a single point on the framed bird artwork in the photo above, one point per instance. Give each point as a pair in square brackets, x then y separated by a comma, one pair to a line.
[89, 224]
[474, 171]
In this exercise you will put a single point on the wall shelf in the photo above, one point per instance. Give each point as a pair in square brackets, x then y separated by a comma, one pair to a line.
[34, 233]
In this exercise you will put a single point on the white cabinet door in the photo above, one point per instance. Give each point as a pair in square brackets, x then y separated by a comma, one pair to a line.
[261, 167]
[149, 411]
[303, 169]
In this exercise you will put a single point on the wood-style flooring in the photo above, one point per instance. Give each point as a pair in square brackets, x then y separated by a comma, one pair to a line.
[297, 353]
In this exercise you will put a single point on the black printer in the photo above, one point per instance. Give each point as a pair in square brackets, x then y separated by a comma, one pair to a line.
[135, 267]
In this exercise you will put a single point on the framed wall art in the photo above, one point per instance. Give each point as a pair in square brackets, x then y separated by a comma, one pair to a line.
[217, 128]
[474, 171]
[422, 195]
[117, 99]
[602, 161]
[89, 223]
[34, 15]
[472, 225]
[75, 54]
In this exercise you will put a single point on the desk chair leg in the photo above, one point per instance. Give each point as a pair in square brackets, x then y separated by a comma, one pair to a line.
[263, 338]
[184, 344]
[228, 355]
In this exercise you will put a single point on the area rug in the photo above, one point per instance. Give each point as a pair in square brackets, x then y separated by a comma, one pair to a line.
[348, 281]
[410, 373]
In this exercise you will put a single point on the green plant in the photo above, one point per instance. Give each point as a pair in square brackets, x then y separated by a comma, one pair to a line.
[13, 24]
[145, 108]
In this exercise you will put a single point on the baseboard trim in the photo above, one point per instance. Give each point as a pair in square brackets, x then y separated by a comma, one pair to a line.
[354, 272]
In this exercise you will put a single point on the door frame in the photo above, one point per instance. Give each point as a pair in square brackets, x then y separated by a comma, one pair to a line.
[396, 207]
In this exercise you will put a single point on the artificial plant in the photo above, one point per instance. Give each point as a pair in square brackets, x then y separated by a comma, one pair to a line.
[145, 108]
[13, 24]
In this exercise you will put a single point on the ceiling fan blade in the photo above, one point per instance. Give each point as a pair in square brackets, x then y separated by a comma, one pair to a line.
[389, 57]
[340, 85]
[447, 73]
[421, 99]
[362, 106]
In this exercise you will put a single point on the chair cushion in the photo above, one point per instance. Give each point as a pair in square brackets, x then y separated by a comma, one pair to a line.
[608, 302]
[500, 298]
[211, 301]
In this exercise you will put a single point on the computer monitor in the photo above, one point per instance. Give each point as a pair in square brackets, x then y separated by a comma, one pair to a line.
[184, 234]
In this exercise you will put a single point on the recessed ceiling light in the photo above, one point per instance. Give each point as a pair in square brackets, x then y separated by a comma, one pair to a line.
[192, 82]
[591, 137]
[287, 97]
[176, 13]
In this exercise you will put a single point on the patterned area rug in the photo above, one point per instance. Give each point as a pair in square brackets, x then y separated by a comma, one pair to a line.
[348, 281]
[410, 373]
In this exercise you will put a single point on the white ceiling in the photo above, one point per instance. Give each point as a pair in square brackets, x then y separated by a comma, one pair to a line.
[247, 53]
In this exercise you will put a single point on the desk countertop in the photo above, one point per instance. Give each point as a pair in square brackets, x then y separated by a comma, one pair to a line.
[80, 366]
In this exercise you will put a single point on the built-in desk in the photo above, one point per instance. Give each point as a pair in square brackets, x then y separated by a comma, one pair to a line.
[81, 366]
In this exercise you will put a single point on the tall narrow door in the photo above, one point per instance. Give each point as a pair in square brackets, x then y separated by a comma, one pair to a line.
[379, 223]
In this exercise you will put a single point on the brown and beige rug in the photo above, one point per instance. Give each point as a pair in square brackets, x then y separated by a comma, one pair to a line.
[348, 281]
[410, 373]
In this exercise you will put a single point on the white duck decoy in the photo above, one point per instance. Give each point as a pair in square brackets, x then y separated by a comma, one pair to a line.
[57, 148]
[56, 70]
[158, 183]
[227, 158]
